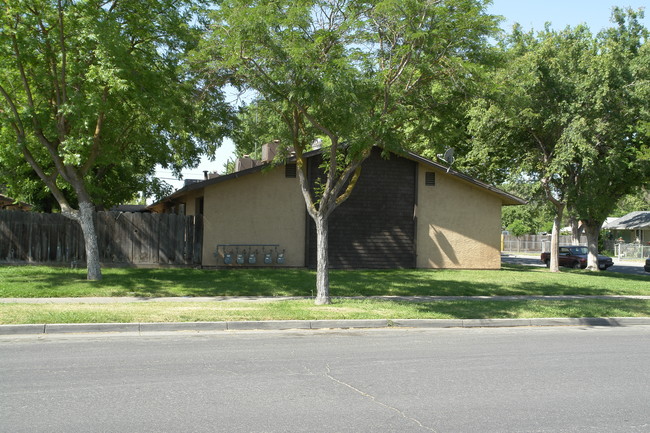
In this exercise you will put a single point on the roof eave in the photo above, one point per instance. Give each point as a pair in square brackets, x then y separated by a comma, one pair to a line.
[507, 198]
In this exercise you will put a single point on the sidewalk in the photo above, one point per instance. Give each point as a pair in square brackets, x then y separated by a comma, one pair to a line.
[205, 327]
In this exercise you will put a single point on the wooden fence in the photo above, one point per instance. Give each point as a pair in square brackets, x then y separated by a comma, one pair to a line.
[124, 238]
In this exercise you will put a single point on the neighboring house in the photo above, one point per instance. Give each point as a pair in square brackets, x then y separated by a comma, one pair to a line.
[7, 203]
[633, 227]
[405, 212]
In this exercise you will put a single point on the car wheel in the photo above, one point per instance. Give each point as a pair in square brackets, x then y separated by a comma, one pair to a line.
[602, 268]
[547, 263]
[576, 265]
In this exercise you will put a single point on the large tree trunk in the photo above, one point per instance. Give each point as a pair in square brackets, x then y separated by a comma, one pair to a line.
[555, 238]
[592, 229]
[322, 262]
[576, 230]
[86, 221]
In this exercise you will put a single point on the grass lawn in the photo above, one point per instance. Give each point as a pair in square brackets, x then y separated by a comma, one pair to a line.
[37, 281]
[40, 281]
[306, 310]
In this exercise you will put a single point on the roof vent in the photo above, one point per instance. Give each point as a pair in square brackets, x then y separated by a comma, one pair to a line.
[430, 178]
[290, 170]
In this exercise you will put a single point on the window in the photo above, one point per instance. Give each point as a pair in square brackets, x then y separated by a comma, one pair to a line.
[430, 178]
[290, 170]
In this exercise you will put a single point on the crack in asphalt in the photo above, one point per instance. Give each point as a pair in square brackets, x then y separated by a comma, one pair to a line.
[374, 399]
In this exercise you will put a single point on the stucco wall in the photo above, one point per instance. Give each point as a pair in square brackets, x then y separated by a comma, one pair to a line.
[458, 224]
[260, 208]
[190, 202]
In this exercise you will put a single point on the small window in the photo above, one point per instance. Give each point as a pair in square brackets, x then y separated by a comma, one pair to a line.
[290, 170]
[430, 178]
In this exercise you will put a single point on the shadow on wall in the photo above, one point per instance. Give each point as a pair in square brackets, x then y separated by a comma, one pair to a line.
[442, 250]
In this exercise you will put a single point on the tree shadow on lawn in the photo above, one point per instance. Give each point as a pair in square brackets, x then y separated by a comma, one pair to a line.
[472, 283]
[602, 274]
[39, 281]
[57, 282]
[224, 282]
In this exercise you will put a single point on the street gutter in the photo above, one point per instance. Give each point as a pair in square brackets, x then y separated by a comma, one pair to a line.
[199, 327]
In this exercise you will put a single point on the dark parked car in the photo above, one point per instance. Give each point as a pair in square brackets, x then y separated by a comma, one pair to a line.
[576, 257]
[647, 265]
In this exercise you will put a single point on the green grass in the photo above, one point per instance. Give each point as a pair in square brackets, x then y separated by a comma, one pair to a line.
[306, 310]
[39, 281]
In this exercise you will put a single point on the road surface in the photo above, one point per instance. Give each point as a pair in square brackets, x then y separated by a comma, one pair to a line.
[452, 380]
[622, 266]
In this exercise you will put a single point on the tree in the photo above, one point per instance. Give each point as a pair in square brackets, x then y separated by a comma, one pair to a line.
[610, 164]
[522, 126]
[256, 124]
[531, 218]
[347, 72]
[570, 116]
[638, 201]
[94, 93]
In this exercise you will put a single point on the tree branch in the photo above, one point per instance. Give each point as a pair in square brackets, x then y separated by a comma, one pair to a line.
[96, 147]
[301, 165]
[20, 128]
[64, 56]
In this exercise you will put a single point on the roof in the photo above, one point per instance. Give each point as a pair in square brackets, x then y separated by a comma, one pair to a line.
[631, 221]
[130, 208]
[508, 199]
[10, 203]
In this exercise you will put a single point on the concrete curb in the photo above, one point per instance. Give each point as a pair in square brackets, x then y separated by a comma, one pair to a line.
[197, 327]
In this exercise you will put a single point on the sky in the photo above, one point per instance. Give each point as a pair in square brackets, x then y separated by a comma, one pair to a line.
[531, 14]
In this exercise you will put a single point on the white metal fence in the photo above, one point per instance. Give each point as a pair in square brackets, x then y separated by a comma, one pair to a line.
[532, 243]
[631, 251]
[542, 243]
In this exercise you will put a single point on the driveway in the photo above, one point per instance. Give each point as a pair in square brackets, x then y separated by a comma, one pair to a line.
[622, 266]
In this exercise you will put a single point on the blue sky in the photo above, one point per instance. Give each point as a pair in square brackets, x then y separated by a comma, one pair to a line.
[531, 14]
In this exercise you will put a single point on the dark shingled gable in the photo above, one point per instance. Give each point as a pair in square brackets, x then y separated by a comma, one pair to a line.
[375, 227]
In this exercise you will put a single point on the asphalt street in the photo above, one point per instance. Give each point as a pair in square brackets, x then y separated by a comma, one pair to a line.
[622, 266]
[578, 379]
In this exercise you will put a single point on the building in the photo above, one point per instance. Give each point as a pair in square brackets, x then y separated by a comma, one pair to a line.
[631, 228]
[405, 212]
[8, 203]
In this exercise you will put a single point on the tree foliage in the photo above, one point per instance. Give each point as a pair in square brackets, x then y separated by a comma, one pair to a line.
[637, 201]
[94, 93]
[531, 218]
[568, 113]
[609, 161]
